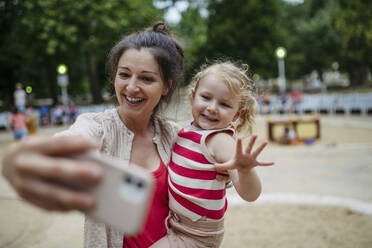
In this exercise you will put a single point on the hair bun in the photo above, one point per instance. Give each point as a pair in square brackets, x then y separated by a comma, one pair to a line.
[160, 27]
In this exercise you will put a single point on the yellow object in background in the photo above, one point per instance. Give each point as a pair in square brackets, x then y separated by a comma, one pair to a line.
[31, 124]
[303, 128]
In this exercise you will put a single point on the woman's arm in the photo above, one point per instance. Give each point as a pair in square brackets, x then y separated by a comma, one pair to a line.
[241, 165]
[36, 169]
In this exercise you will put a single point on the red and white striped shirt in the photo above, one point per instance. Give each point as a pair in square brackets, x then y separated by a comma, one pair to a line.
[193, 188]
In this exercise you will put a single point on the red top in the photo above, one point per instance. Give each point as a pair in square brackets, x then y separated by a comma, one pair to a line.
[18, 121]
[159, 210]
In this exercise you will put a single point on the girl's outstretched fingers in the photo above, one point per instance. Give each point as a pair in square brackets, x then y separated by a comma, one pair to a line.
[257, 152]
[250, 144]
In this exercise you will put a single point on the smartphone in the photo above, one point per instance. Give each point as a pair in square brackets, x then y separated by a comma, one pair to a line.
[123, 195]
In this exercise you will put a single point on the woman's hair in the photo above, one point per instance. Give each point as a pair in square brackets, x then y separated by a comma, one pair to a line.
[159, 41]
[236, 78]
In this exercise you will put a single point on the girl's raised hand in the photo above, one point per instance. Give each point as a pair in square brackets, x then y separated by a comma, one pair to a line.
[244, 161]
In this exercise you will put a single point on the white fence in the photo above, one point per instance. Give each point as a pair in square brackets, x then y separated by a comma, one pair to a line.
[360, 103]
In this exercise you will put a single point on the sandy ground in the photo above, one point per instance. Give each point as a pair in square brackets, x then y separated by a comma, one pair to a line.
[335, 171]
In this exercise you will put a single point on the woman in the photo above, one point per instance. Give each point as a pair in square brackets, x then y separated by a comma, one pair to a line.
[145, 68]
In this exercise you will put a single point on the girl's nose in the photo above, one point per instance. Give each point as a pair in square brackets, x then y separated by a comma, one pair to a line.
[212, 107]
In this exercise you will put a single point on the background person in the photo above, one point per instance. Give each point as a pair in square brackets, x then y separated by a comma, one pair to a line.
[17, 122]
[44, 114]
[19, 98]
[72, 112]
[58, 114]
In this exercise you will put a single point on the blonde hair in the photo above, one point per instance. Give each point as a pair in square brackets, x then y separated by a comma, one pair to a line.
[236, 78]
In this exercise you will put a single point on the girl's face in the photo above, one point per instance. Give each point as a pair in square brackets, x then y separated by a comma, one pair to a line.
[214, 105]
[138, 84]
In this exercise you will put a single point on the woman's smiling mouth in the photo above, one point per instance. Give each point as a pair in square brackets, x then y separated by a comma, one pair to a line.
[133, 100]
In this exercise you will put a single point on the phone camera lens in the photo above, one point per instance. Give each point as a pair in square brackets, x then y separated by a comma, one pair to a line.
[140, 184]
[128, 179]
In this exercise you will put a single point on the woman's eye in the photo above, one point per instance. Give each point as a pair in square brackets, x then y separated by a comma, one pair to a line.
[205, 97]
[147, 79]
[123, 74]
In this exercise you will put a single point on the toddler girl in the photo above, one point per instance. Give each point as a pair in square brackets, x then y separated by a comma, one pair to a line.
[221, 98]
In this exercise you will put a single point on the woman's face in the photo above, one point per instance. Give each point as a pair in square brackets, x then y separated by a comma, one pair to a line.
[138, 84]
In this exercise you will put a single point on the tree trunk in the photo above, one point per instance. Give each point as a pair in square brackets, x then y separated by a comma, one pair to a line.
[95, 87]
[358, 74]
[320, 74]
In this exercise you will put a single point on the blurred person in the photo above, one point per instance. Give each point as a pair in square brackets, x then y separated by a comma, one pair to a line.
[58, 114]
[19, 97]
[296, 98]
[17, 123]
[289, 136]
[72, 112]
[266, 101]
[44, 114]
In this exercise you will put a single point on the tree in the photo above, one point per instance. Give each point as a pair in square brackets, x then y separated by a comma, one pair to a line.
[353, 19]
[88, 28]
[312, 42]
[76, 33]
[192, 32]
[244, 30]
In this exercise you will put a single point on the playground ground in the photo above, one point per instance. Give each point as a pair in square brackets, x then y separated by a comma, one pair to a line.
[315, 196]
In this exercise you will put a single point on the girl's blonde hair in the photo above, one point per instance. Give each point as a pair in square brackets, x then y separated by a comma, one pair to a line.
[236, 78]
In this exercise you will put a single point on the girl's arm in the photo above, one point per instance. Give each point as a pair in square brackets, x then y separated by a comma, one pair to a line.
[241, 166]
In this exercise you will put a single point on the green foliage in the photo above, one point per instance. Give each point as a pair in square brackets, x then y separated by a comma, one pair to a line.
[353, 19]
[191, 31]
[76, 33]
[244, 30]
[312, 42]
[37, 35]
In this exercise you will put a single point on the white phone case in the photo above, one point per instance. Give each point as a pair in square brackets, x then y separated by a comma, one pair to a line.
[123, 195]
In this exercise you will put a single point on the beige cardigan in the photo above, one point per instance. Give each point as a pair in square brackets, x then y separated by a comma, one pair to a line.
[116, 139]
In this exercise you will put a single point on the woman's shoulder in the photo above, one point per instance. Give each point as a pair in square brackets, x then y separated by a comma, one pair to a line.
[108, 114]
[91, 124]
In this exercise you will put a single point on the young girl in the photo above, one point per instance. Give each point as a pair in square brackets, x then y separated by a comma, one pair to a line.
[221, 95]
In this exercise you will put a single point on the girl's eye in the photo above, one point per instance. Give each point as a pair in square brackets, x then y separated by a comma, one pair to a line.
[225, 105]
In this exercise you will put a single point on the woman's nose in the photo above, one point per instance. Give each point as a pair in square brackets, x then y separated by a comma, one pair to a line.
[132, 85]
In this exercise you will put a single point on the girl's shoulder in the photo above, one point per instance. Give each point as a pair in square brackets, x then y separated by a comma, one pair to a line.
[221, 143]
[230, 130]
